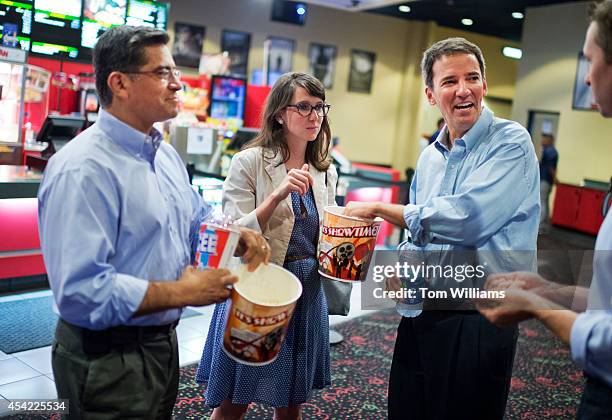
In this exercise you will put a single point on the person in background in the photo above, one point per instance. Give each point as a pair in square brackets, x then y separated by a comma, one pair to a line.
[279, 186]
[589, 334]
[548, 177]
[119, 225]
[434, 136]
[454, 364]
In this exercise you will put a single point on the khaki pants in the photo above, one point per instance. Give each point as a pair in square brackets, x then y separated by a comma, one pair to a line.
[119, 373]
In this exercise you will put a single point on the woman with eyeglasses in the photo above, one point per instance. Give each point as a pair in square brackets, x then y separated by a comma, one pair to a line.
[278, 185]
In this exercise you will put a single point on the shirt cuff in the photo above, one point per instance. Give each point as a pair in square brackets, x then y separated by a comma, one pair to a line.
[579, 337]
[413, 224]
[128, 294]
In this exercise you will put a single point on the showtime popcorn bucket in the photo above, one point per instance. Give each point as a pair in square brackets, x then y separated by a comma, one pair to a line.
[260, 308]
[216, 246]
[346, 245]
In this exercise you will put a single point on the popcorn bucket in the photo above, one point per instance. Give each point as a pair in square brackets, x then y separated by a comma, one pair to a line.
[262, 303]
[216, 246]
[346, 245]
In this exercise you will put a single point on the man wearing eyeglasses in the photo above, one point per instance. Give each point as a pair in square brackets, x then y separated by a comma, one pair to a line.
[589, 334]
[118, 225]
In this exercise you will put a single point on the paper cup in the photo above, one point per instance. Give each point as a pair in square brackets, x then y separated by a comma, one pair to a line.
[346, 245]
[216, 246]
[262, 303]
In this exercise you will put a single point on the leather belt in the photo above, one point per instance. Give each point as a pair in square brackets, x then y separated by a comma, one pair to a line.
[101, 341]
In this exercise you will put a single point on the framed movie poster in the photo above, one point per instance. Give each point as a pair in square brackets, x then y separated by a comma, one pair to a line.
[583, 95]
[322, 63]
[362, 71]
[237, 45]
[279, 57]
[187, 47]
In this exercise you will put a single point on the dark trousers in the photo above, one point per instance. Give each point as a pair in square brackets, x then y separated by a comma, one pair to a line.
[119, 373]
[596, 402]
[451, 365]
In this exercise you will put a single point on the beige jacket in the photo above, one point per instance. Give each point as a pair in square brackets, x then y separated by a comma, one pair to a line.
[252, 178]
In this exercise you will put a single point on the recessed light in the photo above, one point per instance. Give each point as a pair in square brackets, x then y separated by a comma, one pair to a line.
[467, 22]
[517, 15]
[512, 52]
[404, 9]
[301, 10]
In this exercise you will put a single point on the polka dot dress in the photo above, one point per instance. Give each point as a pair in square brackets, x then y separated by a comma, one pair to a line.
[303, 361]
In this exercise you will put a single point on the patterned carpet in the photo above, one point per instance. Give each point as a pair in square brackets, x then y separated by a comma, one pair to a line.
[546, 384]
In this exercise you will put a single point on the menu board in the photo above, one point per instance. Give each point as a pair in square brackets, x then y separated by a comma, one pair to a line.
[56, 28]
[147, 13]
[69, 29]
[16, 23]
[98, 17]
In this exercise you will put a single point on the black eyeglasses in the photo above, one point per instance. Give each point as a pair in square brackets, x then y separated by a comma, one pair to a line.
[305, 109]
[163, 73]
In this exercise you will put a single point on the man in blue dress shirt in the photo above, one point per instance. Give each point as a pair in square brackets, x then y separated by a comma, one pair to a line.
[530, 296]
[476, 189]
[119, 226]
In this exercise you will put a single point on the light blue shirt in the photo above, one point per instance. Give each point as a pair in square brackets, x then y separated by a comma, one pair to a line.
[591, 335]
[116, 211]
[481, 195]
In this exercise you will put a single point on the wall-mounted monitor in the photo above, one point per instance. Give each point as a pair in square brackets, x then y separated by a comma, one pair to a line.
[583, 95]
[147, 13]
[56, 28]
[16, 23]
[98, 17]
[227, 97]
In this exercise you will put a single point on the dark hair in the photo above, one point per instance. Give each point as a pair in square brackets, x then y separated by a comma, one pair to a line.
[601, 14]
[122, 48]
[271, 136]
[449, 46]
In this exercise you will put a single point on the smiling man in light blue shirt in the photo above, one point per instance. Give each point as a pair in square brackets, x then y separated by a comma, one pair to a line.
[119, 225]
[476, 189]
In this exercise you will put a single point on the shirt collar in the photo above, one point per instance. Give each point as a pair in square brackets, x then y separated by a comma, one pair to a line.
[135, 142]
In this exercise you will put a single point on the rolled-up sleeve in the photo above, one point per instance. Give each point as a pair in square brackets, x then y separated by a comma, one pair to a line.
[474, 213]
[78, 224]
[591, 343]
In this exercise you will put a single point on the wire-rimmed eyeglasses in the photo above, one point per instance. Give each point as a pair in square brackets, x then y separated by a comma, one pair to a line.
[162, 73]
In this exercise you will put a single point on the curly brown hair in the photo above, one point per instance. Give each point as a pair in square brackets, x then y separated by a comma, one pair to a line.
[271, 136]
[601, 14]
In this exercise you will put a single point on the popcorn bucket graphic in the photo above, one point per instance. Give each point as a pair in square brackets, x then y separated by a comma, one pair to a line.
[346, 245]
[262, 303]
[216, 246]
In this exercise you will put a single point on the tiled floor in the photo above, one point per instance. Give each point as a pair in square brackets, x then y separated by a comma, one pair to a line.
[28, 374]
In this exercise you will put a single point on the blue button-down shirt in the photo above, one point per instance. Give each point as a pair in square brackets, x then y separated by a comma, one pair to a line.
[591, 336]
[115, 211]
[481, 195]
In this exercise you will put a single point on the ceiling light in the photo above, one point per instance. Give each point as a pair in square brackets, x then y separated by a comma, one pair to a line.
[404, 9]
[517, 15]
[467, 22]
[512, 52]
[301, 10]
